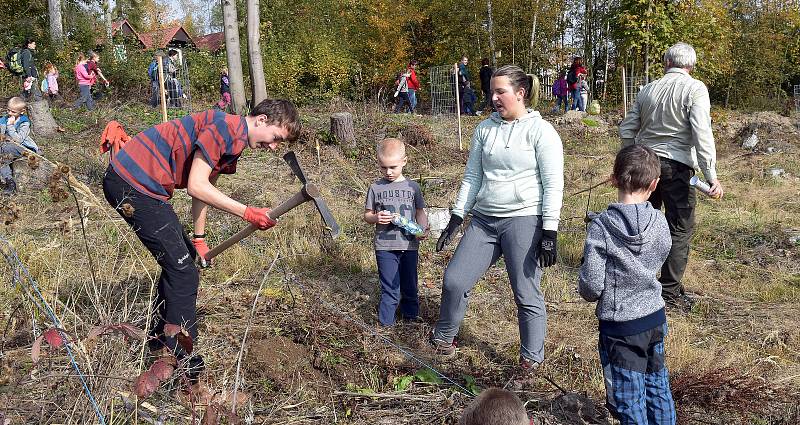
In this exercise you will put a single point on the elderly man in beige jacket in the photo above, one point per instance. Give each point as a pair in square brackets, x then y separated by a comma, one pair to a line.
[672, 115]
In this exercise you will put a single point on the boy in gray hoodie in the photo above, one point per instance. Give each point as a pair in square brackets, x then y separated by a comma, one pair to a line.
[624, 250]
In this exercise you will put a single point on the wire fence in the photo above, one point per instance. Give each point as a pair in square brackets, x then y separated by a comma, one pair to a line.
[177, 86]
[633, 85]
[443, 90]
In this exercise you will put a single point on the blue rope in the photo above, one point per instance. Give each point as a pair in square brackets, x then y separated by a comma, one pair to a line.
[18, 265]
[406, 351]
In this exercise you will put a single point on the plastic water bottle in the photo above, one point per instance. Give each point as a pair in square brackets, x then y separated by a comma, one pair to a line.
[409, 226]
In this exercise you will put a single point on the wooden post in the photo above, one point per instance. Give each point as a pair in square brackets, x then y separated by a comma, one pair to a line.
[458, 108]
[624, 93]
[342, 129]
[161, 91]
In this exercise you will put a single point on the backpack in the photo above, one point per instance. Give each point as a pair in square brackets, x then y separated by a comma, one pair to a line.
[44, 86]
[572, 77]
[14, 61]
[151, 70]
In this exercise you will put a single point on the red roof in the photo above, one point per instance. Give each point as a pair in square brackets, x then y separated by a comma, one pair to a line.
[161, 38]
[211, 42]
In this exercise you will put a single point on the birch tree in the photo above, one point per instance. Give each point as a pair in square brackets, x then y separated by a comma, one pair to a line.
[258, 84]
[56, 27]
[233, 54]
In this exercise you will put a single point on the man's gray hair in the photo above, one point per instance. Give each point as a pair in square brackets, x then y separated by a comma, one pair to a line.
[680, 55]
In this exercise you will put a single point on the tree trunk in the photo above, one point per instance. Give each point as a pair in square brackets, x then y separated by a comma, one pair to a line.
[107, 19]
[342, 129]
[533, 36]
[42, 121]
[233, 53]
[258, 83]
[491, 33]
[56, 27]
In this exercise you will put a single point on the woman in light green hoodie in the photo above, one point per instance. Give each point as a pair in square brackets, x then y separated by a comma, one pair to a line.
[513, 187]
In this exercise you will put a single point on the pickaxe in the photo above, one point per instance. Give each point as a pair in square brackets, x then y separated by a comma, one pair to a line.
[309, 192]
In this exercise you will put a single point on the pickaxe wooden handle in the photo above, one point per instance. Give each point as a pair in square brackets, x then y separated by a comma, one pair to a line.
[289, 204]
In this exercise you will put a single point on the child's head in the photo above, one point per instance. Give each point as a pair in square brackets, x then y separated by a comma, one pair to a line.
[16, 106]
[92, 56]
[495, 406]
[636, 170]
[49, 68]
[80, 59]
[272, 121]
[391, 158]
[224, 70]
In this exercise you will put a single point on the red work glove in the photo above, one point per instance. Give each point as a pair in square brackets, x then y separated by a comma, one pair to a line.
[202, 249]
[259, 218]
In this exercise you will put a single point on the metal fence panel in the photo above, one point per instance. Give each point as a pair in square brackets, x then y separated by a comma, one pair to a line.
[443, 90]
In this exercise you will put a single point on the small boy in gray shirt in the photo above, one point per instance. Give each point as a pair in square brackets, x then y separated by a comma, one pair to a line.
[624, 250]
[395, 250]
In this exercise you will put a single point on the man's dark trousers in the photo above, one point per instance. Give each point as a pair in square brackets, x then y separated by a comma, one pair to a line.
[678, 197]
[157, 226]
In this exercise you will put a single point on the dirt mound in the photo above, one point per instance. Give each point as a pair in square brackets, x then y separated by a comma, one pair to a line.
[280, 360]
[768, 126]
[580, 122]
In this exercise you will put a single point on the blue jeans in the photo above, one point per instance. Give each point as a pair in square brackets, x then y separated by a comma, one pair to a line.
[560, 101]
[397, 271]
[577, 100]
[86, 97]
[403, 102]
[412, 97]
[636, 378]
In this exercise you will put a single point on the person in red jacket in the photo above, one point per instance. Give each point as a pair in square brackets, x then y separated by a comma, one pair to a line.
[189, 153]
[413, 84]
[572, 79]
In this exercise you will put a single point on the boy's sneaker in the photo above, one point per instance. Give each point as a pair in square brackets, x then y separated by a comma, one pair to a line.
[681, 303]
[10, 187]
[528, 366]
[416, 320]
[442, 348]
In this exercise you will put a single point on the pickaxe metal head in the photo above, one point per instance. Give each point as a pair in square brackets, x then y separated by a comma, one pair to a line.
[312, 193]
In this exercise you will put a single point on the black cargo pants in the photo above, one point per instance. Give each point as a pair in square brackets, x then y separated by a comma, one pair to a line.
[157, 226]
[678, 198]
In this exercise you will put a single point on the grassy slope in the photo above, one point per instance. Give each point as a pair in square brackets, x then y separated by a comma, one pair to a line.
[307, 361]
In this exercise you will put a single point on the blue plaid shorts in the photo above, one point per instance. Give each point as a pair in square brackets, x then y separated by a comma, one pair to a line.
[636, 378]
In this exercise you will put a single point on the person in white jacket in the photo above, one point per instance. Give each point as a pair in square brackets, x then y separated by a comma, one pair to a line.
[513, 187]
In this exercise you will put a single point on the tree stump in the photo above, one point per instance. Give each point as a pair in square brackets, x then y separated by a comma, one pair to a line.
[42, 121]
[31, 173]
[342, 129]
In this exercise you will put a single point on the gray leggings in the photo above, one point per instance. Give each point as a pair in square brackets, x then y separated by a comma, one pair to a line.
[485, 240]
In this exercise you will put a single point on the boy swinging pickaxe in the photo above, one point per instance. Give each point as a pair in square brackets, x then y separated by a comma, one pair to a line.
[309, 192]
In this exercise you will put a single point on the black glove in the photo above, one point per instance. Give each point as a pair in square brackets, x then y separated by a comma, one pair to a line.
[449, 232]
[547, 248]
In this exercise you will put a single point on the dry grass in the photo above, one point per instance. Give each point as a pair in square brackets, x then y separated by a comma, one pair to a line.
[306, 360]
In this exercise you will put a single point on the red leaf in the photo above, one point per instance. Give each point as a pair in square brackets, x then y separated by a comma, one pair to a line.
[53, 337]
[172, 330]
[181, 334]
[36, 349]
[146, 384]
[185, 341]
[211, 415]
[125, 329]
[162, 369]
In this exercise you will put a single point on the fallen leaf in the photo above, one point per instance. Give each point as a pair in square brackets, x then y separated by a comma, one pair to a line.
[36, 349]
[181, 334]
[172, 330]
[211, 415]
[146, 384]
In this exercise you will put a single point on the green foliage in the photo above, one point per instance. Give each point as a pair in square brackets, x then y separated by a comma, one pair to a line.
[401, 383]
[427, 375]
